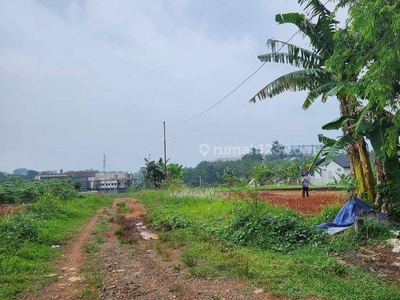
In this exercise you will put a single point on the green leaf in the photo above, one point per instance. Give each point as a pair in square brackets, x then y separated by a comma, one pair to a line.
[331, 148]
[338, 123]
[335, 90]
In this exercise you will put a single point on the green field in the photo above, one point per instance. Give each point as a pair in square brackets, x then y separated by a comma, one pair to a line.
[272, 248]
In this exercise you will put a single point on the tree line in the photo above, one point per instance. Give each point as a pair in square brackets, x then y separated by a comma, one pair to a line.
[273, 168]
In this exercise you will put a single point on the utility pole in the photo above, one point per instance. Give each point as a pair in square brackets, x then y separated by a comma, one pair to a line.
[165, 156]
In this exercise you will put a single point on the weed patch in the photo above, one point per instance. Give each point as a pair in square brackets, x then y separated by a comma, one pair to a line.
[284, 232]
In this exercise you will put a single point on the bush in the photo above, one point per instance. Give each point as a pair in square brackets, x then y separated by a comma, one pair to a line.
[282, 233]
[19, 228]
[167, 222]
[18, 191]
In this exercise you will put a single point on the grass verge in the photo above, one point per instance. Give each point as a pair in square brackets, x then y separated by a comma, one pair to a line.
[202, 227]
[27, 240]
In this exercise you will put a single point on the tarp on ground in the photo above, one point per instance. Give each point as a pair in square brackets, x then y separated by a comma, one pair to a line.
[353, 208]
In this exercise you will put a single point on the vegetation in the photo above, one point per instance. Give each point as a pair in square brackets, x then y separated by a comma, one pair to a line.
[26, 238]
[19, 191]
[367, 47]
[276, 167]
[155, 173]
[273, 248]
[318, 80]
[358, 65]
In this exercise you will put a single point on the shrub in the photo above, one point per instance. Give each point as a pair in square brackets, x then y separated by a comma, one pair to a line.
[170, 221]
[18, 191]
[283, 232]
[16, 229]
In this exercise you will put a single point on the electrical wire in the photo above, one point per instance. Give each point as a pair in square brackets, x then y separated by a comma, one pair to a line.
[244, 81]
[238, 86]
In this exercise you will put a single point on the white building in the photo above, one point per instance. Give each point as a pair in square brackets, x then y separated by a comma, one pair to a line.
[112, 182]
[338, 166]
[308, 150]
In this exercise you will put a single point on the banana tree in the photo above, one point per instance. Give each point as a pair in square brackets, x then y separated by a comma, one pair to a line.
[368, 47]
[367, 125]
[318, 80]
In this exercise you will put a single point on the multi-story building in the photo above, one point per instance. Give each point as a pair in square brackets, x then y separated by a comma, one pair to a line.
[106, 182]
[110, 182]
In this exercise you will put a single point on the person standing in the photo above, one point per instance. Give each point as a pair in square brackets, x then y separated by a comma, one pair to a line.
[305, 182]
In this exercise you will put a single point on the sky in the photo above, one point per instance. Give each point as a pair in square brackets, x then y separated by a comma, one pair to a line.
[83, 78]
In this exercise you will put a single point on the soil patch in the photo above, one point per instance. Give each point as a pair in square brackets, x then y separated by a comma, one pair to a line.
[379, 259]
[292, 199]
[6, 209]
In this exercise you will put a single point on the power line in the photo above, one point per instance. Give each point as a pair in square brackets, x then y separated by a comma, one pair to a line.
[238, 86]
[244, 81]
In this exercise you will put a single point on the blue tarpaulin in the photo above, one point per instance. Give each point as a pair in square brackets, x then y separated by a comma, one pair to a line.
[348, 214]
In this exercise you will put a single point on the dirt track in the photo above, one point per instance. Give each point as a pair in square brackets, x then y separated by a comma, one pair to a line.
[141, 270]
[149, 269]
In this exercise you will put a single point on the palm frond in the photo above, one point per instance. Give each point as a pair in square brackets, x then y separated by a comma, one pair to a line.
[314, 7]
[322, 90]
[302, 80]
[320, 34]
[294, 55]
[331, 147]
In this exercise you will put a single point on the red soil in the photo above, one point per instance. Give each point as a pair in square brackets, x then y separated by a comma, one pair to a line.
[292, 199]
[8, 209]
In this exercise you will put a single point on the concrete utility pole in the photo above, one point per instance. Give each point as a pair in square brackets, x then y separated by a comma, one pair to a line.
[165, 155]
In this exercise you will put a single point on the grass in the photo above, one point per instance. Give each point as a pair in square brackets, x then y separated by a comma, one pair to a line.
[92, 271]
[198, 226]
[26, 255]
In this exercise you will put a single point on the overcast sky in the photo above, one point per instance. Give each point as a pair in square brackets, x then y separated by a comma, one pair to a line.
[80, 78]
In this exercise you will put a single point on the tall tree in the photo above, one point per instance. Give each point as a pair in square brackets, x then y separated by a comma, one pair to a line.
[278, 150]
[369, 47]
[253, 155]
[318, 80]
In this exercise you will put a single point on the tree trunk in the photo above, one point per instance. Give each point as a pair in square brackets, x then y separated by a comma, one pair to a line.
[358, 154]
[369, 182]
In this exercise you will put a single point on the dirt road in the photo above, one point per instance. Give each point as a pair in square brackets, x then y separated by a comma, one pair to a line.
[137, 269]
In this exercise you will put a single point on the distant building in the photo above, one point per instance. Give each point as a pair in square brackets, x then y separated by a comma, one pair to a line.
[227, 158]
[338, 166]
[83, 176]
[50, 176]
[110, 182]
[307, 150]
[106, 182]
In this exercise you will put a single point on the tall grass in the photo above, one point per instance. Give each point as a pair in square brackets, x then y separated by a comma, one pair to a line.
[26, 239]
[272, 247]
